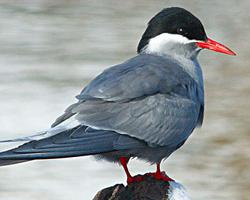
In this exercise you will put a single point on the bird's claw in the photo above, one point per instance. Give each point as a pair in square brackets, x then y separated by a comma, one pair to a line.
[134, 179]
[159, 176]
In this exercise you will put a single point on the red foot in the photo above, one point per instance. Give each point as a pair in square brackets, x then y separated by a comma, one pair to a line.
[134, 179]
[160, 176]
[130, 179]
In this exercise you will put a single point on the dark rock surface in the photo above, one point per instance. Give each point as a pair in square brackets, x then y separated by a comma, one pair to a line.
[148, 189]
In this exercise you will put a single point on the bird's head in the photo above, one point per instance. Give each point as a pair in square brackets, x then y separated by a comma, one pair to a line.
[176, 31]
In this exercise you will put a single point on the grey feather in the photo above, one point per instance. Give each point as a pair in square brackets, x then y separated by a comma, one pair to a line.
[11, 162]
[140, 76]
[75, 142]
[67, 114]
[155, 119]
[148, 97]
[145, 107]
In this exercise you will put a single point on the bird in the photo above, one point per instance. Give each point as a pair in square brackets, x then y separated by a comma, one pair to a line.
[144, 108]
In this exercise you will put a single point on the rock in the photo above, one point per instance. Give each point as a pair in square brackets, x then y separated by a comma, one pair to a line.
[148, 189]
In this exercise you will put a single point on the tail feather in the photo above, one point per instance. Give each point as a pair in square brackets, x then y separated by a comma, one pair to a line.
[11, 162]
[25, 139]
[78, 141]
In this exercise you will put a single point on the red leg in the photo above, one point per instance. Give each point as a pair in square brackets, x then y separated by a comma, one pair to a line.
[130, 179]
[123, 161]
[159, 175]
[158, 171]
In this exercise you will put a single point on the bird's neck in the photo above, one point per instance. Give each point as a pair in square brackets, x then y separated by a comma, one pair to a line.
[178, 49]
[173, 45]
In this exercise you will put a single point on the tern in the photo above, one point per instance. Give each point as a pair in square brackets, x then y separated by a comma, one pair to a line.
[145, 107]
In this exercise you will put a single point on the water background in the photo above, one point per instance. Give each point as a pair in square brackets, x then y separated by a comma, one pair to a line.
[50, 49]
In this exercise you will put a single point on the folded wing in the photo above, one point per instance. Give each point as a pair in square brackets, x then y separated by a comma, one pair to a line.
[148, 97]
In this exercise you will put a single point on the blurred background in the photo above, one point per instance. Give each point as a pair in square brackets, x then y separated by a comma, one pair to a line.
[49, 50]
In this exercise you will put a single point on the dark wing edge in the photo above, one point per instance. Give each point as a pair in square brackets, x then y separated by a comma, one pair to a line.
[201, 116]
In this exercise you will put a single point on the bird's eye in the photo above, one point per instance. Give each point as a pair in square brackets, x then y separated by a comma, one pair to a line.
[182, 31]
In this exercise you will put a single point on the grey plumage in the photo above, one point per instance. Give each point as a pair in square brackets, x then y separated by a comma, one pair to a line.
[148, 97]
[145, 107]
[78, 141]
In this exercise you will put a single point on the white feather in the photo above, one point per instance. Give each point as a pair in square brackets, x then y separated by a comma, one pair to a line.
[172, 44]
[177, 192]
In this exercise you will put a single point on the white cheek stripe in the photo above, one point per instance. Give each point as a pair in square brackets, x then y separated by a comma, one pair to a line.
[164, 40]
[167, 37]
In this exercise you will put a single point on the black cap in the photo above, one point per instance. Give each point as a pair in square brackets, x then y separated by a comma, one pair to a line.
[176, 21]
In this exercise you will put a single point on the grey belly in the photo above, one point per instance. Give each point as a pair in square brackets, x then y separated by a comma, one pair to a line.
[150, 154]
